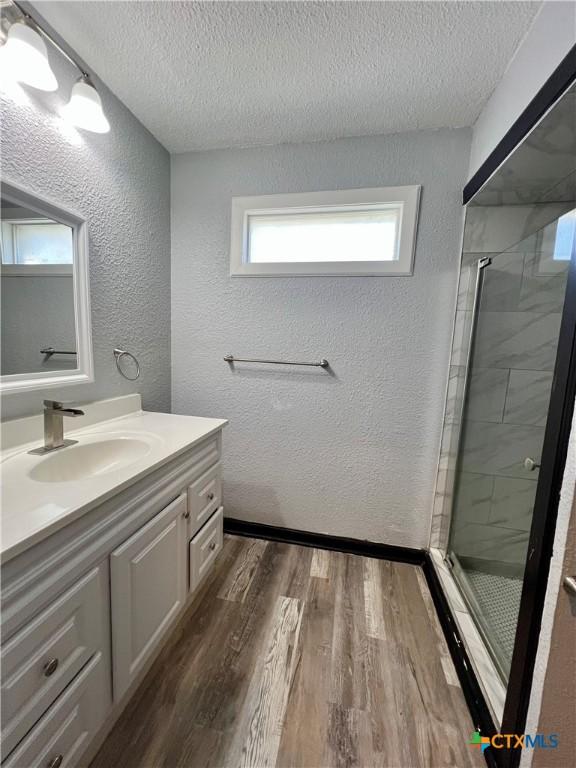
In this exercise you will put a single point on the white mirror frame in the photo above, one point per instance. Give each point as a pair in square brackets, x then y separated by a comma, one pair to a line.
[84, 372]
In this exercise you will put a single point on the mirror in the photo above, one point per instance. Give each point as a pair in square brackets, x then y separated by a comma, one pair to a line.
[45, 314]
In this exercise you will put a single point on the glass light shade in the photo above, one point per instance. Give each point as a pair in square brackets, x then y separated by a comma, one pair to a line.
[25, 58]
[84, 110]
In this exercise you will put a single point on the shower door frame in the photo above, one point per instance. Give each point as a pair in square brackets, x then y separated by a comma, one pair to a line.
[541, 539]
[554, 452]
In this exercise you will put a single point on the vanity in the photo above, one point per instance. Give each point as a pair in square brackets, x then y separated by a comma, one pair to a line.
[110, 520]
[105, 543]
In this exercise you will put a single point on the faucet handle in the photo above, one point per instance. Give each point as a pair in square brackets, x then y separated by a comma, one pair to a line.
[67, 409]
[57, 404]
[54, 404]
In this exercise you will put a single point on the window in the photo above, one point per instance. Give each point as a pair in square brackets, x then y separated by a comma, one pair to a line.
[347, 232]
[565, 237]
[554, 244]
[39, 242]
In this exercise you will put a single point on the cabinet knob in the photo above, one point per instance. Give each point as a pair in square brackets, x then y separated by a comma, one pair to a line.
[570, 584]
[56, 762]
[210, 496]
[186, 515]
[212, 546]
[49, 668]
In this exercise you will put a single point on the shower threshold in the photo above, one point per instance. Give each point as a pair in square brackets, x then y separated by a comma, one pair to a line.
[488, 673]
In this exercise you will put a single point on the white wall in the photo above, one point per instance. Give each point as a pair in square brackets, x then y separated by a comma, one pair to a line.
[352, 452]
[551, 36]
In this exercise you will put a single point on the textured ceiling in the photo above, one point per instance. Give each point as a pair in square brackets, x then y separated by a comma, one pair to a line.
[202, 75]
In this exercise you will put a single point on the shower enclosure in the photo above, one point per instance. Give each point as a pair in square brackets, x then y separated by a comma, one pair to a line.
[515, 302]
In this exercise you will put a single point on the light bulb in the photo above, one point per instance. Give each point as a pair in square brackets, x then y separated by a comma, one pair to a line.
[25, 58]
[84, 110]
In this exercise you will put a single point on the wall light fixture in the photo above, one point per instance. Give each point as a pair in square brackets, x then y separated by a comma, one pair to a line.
[24, 57]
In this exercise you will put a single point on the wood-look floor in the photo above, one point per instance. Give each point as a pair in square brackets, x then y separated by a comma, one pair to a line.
[292, 657]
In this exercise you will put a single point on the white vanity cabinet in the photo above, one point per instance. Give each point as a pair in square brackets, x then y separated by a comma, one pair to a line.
[148, 575]
[47, 654]
[63, 734]
[86, 609]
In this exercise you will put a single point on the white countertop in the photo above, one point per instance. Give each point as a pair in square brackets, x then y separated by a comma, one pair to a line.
[32, 510]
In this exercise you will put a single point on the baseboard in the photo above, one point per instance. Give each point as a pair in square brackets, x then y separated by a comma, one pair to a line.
[324, 541]
[477, 706]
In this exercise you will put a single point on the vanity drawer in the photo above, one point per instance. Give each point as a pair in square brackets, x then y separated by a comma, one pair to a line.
[43, 657]
[204, 498]
[61, 736]
[204, 548]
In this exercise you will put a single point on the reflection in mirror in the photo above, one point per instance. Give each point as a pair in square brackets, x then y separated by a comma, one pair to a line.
[45, 331]
[37, 292]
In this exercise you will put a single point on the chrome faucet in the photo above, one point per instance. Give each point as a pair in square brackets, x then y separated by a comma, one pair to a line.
[54, 413]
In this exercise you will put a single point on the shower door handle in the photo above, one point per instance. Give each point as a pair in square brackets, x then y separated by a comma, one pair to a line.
[530, 464]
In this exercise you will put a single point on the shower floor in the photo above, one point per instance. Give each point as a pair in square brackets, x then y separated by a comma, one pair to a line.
[498, 598]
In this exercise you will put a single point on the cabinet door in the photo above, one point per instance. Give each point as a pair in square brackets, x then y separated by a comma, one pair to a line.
[148, 585]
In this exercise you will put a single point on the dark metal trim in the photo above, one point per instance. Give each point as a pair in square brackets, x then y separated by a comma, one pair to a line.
[541, 541]
[561, 79]
[323, 541]
[481, 716]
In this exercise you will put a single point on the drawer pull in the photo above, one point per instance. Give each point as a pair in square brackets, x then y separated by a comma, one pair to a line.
[210, 497]
[186, 515]
[212, 546]
[56, 762]
[49, 668]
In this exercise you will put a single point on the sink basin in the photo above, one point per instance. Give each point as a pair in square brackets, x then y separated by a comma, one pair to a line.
[90, 459]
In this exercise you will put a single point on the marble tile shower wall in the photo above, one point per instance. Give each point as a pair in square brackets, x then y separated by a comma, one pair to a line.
[509, 383]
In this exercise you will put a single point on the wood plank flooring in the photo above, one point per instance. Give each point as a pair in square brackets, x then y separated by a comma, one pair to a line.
[294, 657]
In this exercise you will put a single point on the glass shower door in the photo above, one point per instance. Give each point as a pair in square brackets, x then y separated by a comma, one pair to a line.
[517, 313]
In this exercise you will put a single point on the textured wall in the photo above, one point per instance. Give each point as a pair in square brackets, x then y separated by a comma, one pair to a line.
[120, 182]
[352, 452]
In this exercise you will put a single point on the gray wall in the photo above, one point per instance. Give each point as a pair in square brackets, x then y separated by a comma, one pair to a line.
[120, 182]
[37, 312]
[354, 452]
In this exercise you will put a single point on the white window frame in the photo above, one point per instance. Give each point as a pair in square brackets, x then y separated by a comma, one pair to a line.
[16, 268]
[347, 199]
